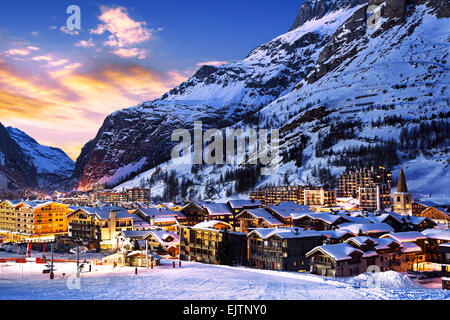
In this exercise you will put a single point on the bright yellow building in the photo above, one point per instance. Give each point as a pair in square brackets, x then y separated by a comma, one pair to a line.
[32, 219]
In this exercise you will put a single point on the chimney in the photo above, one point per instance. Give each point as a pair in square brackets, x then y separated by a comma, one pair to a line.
[296, 231]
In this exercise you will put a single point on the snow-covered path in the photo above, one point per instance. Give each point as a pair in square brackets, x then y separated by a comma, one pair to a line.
[195, 281]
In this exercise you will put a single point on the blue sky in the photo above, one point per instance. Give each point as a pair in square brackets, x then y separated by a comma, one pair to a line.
[126, 52]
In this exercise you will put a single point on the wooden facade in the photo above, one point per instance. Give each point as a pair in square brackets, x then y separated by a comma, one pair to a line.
[282, 251]
[213, 246]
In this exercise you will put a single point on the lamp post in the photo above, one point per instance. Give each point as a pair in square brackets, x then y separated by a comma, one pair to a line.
[52, 275]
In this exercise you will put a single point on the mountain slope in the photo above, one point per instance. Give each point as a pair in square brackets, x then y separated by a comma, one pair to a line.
[133, 140]
[16, 170]
[373, 90]
[53, 166]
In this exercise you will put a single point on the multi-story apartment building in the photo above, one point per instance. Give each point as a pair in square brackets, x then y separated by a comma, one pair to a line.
[281, 249]
[138, 195]
[111, 197]
[350, 181]
[212, 242]
[28, 219]
[319, 197]
[274, 195]
[375, 197]
[371, 186]
[98, 226]
[445, 251]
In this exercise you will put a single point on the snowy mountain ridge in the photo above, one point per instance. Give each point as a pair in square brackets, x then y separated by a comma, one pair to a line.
[345, 91]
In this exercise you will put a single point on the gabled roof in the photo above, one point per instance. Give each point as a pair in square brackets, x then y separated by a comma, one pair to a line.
[325, 217]
[163, 237]
[284, 233]
[365, 228]
[157, 212]
[384, 243]
[437, 234]
[210, 224]
[362, 240]
[218, 209]
[286, 209]
[136, 234]
[262, 214]
[409, 247]
[338, 252]
[408, 236]
[336, 234]
[242, 204]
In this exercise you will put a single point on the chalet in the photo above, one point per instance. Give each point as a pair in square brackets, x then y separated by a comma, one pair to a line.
[237, 206]
[159, 241]
[444, 249]
[250, 219]
[281, 249]
[437, 214]
[317, 221]
[164, 242]
[336, 236]
[212, 242]
[435, 238]
[135, 258]
[110, 221]
[337, 260]
[84, 226]
[194, 213]
[387, 253]
[162, 218]
[221, 212]
[284, 211]
[373, 230]
[409, 236]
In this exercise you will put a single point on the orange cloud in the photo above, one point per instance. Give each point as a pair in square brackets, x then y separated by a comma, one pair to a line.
[67, 108]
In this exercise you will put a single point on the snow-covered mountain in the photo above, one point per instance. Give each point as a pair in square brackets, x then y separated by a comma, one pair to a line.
[354, 83]
[16, 169]
[53, 166]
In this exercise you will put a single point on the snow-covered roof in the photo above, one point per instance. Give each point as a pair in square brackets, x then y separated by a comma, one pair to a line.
[323, 216]
[408, 236]
[336, 234]
[409, 247]
[241, 204]
[266, 216]
[437, 234]
[364, 228]
[361, 240]
[210, 224]
[286, 209]
[156, 212]
[166, 238]
[285, 233]
[135, 234]
[339, 252]
[384, 243]
[217, 209]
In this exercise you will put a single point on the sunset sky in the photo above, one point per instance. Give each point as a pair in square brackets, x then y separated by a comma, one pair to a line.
[58, 85]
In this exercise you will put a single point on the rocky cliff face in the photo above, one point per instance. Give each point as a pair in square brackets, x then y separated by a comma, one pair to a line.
[346, 87]
[316, 9]
[138, 138]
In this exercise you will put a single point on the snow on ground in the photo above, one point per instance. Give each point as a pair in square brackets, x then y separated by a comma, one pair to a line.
[194, 281]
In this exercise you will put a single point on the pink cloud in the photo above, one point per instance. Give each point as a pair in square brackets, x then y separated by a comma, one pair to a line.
[212, 63]
[123, 30]
[131, 53]
[85, 44]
